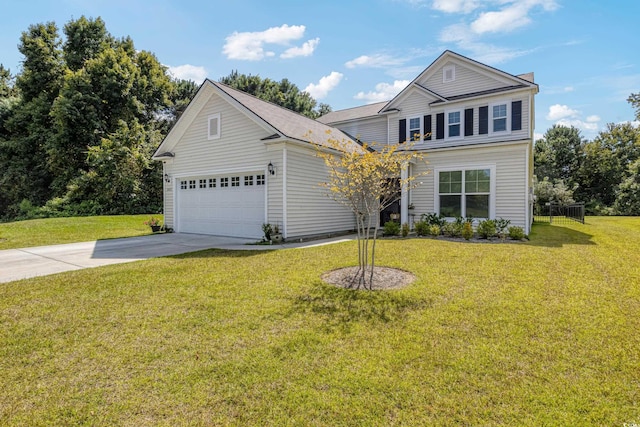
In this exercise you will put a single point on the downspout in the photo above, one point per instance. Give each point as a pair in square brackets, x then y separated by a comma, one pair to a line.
[284, 192]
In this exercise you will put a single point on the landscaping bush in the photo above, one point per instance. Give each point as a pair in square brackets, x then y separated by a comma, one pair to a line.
[421, 228]
[501, 227]
[434, 219]
[391, 228]
[435, 230]
[405, 230]
[487, 229]
[467, 230]
[516, 233]
[453, 229]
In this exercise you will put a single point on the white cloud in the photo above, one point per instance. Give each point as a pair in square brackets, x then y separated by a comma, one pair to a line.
[514, 16]
[249, 46]
[188, 72]
[377, 60]
[585, 126]
[455, 6]
[383, 92]
[324, 86]
[537, 136]
[559, 112]
[305, 50]
[594, 118]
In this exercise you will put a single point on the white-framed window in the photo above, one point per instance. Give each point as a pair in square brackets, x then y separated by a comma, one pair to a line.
[448, 73]
[183, 185]
[212, 183]
[500, 117]
[214, 126]
[203, 183]
[224, 182]
[414, 130]
[235, 181]
[248, 180]
[192, 184]
[454, 125]
[466, 192]
[259, 179]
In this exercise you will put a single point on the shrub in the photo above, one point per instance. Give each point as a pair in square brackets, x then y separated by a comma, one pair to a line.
[267, 230]
[516, 233]
[487, 229]
[421, 228]
[453, 229]
[391, 228]
[405, 230]
[434, 219]
[435, 230]
[467, 230]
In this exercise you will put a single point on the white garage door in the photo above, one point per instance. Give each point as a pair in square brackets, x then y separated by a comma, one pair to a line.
[226, 205]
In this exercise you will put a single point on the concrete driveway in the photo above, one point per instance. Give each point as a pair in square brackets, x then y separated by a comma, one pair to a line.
[16, 264]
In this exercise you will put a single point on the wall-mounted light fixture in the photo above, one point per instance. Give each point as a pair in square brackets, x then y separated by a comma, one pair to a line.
[167, 178]
[271, 168]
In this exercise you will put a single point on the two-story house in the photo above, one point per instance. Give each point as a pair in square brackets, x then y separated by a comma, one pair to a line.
[233, 162]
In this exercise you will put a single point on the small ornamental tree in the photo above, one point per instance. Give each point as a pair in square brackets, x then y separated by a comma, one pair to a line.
[367, 181]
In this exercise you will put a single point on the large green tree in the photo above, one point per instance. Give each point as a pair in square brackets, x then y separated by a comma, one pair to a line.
[558, 155]
[283, 93]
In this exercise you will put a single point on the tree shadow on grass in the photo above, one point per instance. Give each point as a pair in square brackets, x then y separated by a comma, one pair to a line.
[555, 236]
[342, 308]
[220, 253]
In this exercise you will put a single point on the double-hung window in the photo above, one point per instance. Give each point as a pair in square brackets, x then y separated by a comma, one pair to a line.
[500, 117]
[465, 193]
[415, 130]
[454, 124]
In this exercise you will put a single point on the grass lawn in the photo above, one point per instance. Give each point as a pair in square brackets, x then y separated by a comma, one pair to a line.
[52, 231]
[526, 334]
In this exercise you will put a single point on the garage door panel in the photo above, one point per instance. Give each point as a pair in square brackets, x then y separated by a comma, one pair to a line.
[224, 211]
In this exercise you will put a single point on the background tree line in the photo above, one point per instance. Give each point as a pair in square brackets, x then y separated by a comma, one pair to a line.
[603, 173]
[81, 119]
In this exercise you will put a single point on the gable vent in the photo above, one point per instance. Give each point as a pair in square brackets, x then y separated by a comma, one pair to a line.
[448, 73]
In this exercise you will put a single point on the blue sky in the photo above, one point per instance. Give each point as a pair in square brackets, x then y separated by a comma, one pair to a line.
[584, 53]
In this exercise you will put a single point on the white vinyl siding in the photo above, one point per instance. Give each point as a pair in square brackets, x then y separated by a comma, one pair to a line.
[369, 131]
[509, 162]
[466, 81]
[309, 210]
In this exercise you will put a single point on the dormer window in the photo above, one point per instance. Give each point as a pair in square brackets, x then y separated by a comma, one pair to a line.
[448, 73]
[214, 126]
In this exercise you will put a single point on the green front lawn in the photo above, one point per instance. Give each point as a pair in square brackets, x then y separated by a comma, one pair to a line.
[538, 333]
[53, 231]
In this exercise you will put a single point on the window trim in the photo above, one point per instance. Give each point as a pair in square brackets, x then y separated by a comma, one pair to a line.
[463, 202]
[507, 130]
[217, 134]
[409, 136]
[447, 124]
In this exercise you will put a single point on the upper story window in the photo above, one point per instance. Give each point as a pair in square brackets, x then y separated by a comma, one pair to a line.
[454, 124]
[499, 117]
[414, 131]
[448, 73]
[214, 126]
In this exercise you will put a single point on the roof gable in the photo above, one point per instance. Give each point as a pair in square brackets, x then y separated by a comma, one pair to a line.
[278, 121]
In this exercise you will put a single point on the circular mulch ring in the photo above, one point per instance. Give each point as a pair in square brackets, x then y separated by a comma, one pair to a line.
[384, 278]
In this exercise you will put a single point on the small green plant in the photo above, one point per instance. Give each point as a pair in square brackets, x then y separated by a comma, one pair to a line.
[405, 230]
[433, 219]
[516, 233]
[501, 227]
[467, 230]
[391, 228]
[435, 230]
[453, 229]
[487, 228]
[267, 230]
[421, 228]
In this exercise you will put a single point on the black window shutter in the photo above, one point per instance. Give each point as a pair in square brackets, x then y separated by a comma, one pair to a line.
[483, 120]
[427, 127]
[440, 126]
[468, 122]
[402, 134]
[516, 115]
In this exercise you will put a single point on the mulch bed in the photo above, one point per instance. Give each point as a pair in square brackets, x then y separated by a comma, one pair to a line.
[384, 278]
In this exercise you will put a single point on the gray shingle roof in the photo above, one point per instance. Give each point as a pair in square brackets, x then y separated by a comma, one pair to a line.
[370, 110]
[288, 123]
